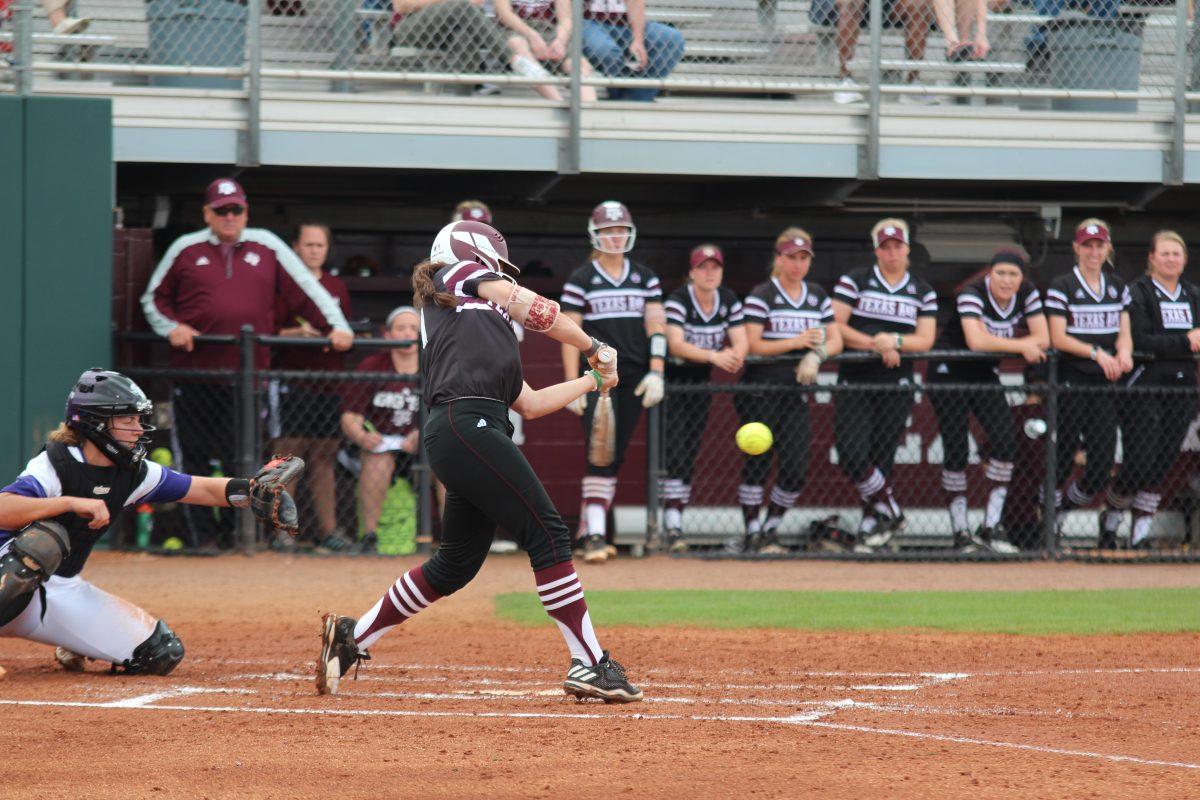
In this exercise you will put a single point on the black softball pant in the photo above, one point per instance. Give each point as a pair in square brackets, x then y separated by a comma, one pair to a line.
[1092, 417]
[488, 483]
[687, 417]
[628, 408]
[1153, 424]
[867, 426]
[786, 414]
[953, 410]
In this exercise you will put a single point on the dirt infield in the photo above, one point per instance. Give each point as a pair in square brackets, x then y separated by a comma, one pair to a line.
[455, 704]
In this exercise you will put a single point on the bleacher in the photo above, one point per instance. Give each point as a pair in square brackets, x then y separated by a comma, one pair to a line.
[726, 40]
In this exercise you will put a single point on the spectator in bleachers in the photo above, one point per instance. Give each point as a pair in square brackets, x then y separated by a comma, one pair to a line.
[963, 24]
[214, 281]
[990, 314]
[382, 420]
[1164, 319]
[542, 31]
[1088, 310]
[704, 329]
[851, 16]
[306, 414]
[616, 32]
[470, 39]
[1035, 42]
[60, 22]
[785, 316]
[887, 310]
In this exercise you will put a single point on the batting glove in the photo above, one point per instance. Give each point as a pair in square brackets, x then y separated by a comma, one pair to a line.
[650, 389]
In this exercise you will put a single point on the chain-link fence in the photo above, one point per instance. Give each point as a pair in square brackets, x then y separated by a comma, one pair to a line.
[1062, 54]
[1002, 468]
[365, 489]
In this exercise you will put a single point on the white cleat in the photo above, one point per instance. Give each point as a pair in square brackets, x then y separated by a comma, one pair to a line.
[71, 662]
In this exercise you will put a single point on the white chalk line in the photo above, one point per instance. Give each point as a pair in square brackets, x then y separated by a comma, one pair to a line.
[804, 719]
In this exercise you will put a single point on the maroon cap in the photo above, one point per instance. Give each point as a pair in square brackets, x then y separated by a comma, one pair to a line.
[794, 245]
[224, 192]
[476, 214]
[889, 233]
[1092, 232]
[610, 214]
[705, 252]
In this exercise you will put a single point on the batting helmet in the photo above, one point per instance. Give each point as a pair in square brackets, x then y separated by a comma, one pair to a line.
[468, 240]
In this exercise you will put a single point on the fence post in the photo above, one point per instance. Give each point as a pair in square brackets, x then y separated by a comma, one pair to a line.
[1050, 457]
[868, 168]
[250, 152]
[23, 47]
[653, 467]
[1173, 174]
[245, 435]
[568, 146]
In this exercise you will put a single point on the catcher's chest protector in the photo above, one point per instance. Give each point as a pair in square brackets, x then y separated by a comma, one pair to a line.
[113, 485]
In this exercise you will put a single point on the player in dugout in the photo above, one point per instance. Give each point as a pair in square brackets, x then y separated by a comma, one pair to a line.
[94, 465]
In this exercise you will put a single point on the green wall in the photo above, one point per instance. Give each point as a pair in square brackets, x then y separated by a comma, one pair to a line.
[56, 198]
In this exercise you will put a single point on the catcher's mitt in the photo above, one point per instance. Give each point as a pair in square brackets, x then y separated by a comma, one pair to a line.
[268, 499]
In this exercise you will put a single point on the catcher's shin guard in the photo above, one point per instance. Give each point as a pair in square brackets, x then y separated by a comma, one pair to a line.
[158, 655]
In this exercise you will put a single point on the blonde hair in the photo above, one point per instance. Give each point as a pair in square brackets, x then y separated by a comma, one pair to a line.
[794, 232]
[890, 222]
[1112, 251]
[1165, 236]
[65, 435]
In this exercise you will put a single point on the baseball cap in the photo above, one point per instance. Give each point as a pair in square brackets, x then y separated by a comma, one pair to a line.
[796, 244]
[475, 214]
[224, 192]
[1092, 232]
[890, 232]
[705, 252]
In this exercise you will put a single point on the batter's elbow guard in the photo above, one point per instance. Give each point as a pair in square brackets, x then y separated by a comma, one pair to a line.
[158, 655]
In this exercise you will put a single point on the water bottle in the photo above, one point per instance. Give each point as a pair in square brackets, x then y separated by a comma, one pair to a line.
[145, 525]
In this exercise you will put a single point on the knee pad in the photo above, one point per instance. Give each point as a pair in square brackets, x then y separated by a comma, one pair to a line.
[158, 655]
[35, 554]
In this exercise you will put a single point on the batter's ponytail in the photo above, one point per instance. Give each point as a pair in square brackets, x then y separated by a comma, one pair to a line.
[423, 287]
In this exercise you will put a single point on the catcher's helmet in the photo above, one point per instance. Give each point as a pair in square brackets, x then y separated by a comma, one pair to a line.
[100, 395]
[611, 214]
[468, 240]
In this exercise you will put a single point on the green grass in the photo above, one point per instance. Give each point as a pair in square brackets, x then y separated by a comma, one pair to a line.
[1033, 613]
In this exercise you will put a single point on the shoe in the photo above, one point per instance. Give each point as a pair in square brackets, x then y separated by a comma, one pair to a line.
[338, 652]
[920, 99]
[368, 545]
[594, 550]
[768, 545]
[1107, 540]
[71, 662]
[336, 543]
[887, 528]
[736, 545]
[848, 93]
[610, 550]
[997, 540]
[676, 544]
[503, 546]
[654, 542]
[72, 25]
[1144, 544]
[284, 543]
[967, 542]
[485, 90]
[605, 681]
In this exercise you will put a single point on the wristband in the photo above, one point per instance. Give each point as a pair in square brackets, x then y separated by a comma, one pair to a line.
[658, 346]
[237, 491]
[899, 342]
[597, 377]
[594, 348]
[1095, 352]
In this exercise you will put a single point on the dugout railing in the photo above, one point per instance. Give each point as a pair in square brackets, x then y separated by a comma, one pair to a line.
[229, 422]
[1131, 428]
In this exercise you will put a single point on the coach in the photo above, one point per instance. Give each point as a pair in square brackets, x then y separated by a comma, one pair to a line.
[214, 281]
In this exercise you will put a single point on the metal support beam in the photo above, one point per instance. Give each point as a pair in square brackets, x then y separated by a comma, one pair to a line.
[23, 47]
[568, 146]
[1173, 161]
[250, 143]
[868, 168]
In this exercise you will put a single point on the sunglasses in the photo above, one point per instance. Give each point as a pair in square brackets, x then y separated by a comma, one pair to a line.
[226, 211]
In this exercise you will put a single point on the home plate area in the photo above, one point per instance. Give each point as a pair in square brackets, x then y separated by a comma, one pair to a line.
[1013, 710]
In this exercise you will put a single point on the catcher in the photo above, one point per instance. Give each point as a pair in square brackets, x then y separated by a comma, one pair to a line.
[93, 466]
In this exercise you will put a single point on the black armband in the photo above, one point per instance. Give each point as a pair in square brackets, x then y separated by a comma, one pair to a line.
[594, 348]
[237, 492]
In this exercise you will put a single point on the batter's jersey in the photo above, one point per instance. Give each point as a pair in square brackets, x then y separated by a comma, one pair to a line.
[614, 310]
[1092, 317]
[118, 487]
[706, 331]
[975, 301]
[469, 350]
[391, 407]
[1160, 320]
[879, 307]
[783, 317]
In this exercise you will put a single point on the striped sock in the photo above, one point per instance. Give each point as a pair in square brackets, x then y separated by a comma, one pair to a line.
[561, 594]
[999, 474]
[410, 594]
[954, 484]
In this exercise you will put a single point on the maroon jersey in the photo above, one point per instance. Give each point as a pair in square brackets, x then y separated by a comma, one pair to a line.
[314, 358]
[218, 288]
[392, 406]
